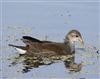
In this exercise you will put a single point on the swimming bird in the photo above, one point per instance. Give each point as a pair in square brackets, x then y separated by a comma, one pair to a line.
[49, 48]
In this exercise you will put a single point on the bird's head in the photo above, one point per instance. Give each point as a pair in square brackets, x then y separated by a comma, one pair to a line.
[74, 36]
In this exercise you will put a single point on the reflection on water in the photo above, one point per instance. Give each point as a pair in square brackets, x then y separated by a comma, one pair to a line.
[31, 61]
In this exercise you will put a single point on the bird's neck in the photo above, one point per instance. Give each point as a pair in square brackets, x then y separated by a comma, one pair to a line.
[69, 43]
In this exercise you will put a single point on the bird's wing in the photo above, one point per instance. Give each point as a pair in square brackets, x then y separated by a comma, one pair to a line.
[30, 40]
[50, 48]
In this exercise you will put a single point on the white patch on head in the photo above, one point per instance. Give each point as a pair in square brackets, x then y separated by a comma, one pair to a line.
[21, 51]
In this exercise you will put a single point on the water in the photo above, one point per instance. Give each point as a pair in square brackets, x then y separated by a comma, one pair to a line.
[52, 19]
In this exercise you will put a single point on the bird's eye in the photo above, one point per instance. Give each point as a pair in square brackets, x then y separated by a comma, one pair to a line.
[76, 35]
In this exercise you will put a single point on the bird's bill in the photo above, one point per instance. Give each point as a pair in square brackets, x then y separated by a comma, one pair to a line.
[81, 41]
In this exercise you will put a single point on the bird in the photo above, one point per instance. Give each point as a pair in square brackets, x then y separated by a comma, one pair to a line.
[42, 48]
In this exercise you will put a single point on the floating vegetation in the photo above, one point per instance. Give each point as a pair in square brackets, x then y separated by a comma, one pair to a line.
[32, 61]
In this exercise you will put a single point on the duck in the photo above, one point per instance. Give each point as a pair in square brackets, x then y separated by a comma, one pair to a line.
[42, 48]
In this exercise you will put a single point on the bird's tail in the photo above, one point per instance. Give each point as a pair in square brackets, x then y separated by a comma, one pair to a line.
[20, 49]
[11, 45]
[14, 46]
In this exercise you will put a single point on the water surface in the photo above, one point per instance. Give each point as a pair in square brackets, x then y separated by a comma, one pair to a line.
[52, 19]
